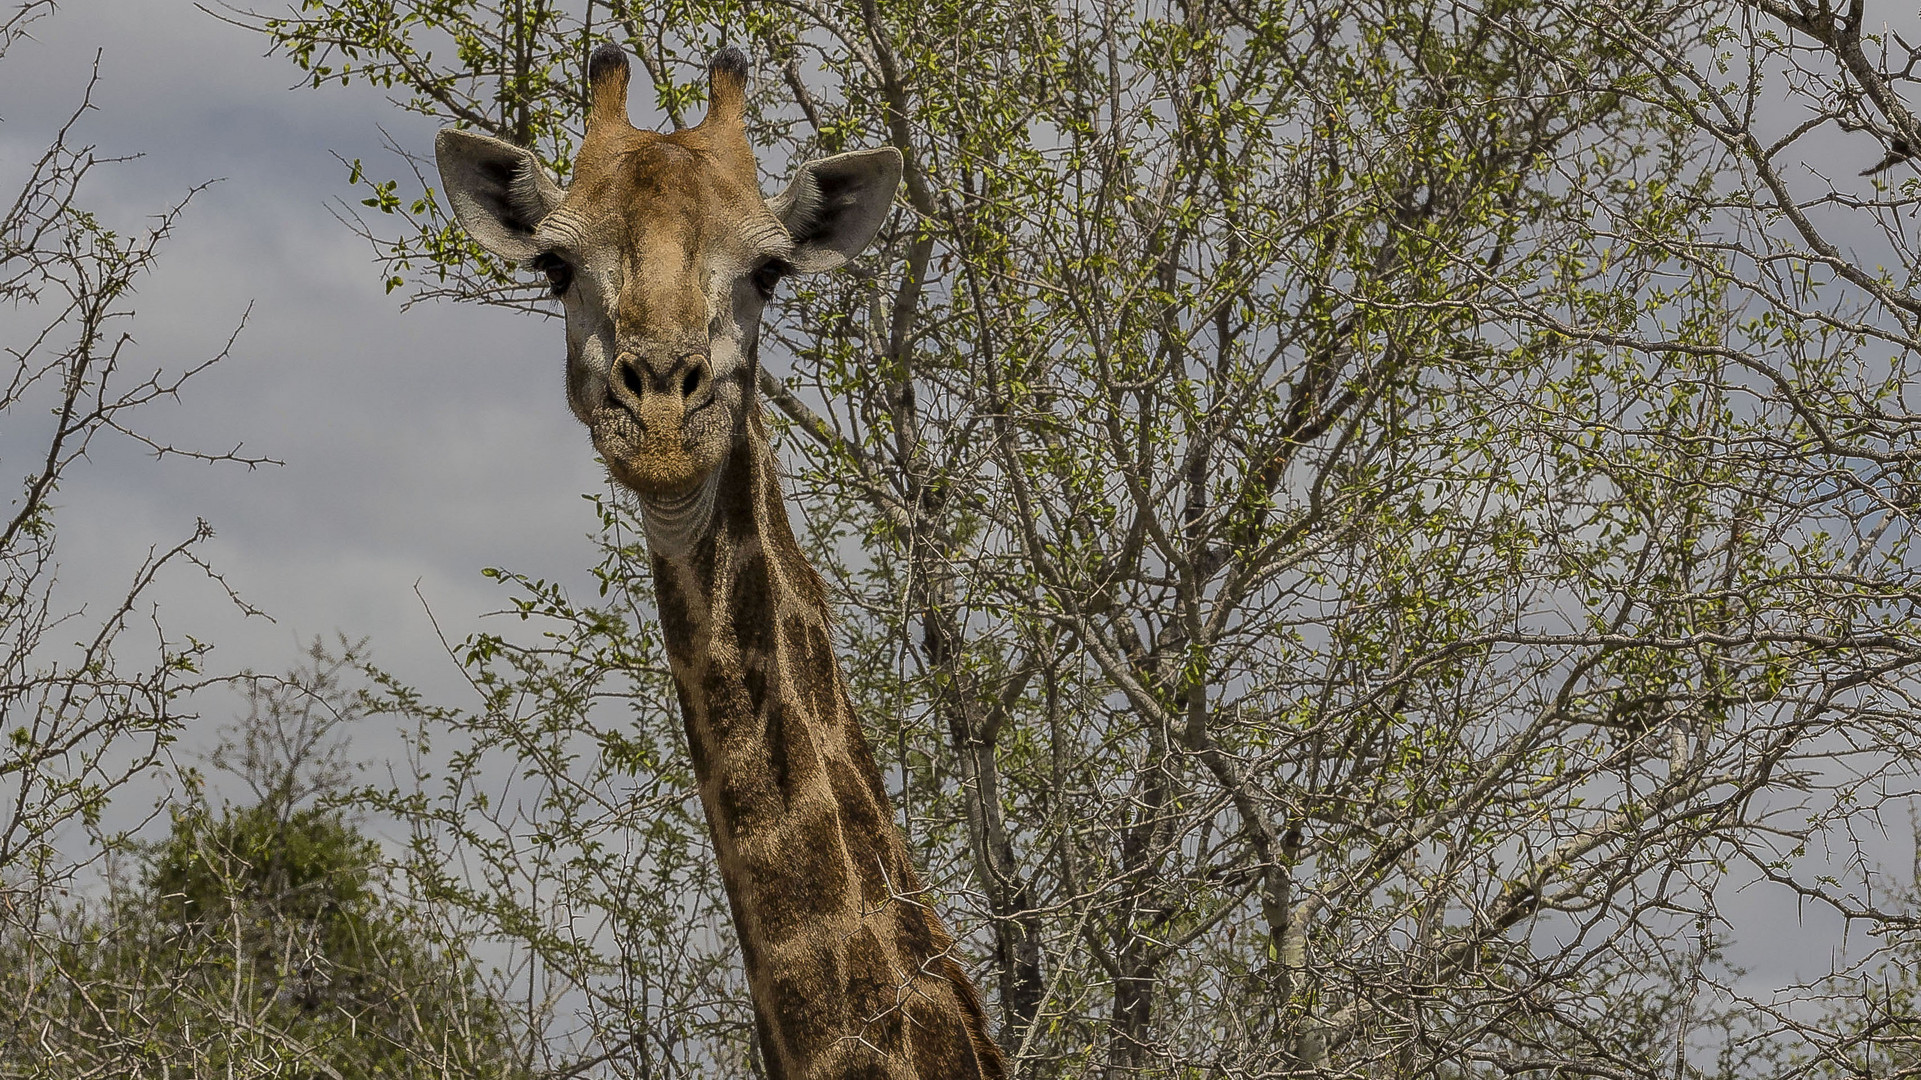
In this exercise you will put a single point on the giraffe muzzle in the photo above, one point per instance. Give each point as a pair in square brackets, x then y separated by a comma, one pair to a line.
[653, 430]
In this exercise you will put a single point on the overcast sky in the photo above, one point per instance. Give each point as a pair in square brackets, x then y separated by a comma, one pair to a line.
[420, 446]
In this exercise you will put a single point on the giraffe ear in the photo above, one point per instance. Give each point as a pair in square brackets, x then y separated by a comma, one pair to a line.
[834, 206]
[499, 192]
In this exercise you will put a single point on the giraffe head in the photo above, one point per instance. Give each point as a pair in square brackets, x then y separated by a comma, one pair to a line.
[663, 253]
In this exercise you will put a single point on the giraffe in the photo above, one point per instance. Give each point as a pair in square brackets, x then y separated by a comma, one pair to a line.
[663, 253]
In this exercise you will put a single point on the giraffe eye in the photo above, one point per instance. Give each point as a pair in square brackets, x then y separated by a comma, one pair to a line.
[560, 274]
[768, 274]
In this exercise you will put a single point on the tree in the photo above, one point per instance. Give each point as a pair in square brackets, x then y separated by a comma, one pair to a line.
[1359, 522]
[78, 722]
[258, 940]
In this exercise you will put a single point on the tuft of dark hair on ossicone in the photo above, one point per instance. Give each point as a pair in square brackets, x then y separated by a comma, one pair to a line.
[728, 61]
[606, 59]
[607, 87]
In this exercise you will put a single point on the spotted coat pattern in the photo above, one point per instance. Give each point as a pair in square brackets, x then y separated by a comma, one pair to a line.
[853, 972]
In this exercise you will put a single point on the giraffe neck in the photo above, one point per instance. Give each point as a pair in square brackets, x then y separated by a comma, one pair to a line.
[851, 971]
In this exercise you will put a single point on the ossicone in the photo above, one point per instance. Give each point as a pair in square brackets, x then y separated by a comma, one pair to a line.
[607, 75]
[727, 86]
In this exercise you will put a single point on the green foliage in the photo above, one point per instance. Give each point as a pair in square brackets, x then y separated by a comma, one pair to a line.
[253, 946]
[268, 881]
[259, 940]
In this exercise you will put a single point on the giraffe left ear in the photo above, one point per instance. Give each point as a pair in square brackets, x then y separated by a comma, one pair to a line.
[498, 191]
[834, 206]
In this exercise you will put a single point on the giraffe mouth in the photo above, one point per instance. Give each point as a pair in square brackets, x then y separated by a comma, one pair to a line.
[654, 459]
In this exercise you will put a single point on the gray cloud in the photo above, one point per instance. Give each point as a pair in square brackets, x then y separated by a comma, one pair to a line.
[419, 446]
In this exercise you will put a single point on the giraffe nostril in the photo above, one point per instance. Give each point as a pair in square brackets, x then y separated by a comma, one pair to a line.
[630, 378]
[690, 382]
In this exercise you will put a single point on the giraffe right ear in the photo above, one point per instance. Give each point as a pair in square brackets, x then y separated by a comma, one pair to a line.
[834, 206]
[499, 192]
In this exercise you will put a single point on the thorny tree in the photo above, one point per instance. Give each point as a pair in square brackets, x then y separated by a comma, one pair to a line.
[79, 721]
[1361, 523]
[90, 698]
